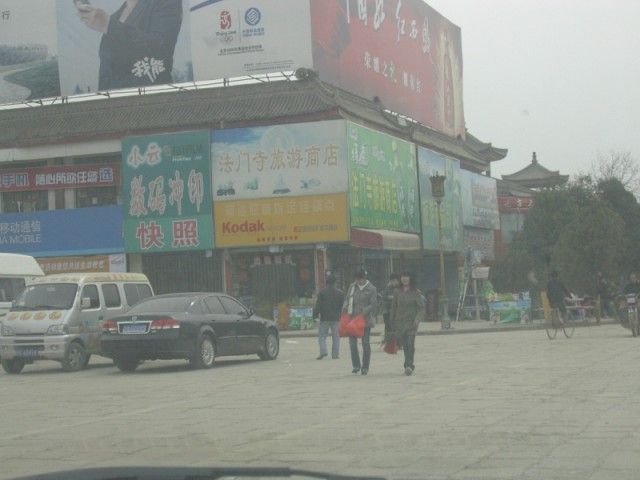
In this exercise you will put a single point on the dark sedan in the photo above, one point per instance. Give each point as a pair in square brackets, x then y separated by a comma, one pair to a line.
[197, 327]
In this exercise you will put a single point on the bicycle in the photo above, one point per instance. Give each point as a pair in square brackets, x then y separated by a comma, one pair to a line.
[557, 322]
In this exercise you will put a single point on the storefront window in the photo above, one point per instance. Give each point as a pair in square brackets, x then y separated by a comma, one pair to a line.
[24, 202]
[266, 280]
[96, 197]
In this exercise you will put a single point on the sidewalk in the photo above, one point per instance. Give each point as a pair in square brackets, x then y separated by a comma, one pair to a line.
[463, 326]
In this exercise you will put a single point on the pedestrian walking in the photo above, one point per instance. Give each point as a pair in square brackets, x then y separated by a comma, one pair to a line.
[327, 308]
[362, 298]
[407, 310]
[387, 298]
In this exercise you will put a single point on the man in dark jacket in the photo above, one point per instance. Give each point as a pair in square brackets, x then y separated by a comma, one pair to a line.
[328, 308]
[556, 293]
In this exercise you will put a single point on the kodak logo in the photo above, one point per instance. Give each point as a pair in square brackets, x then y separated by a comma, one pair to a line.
[245, 227]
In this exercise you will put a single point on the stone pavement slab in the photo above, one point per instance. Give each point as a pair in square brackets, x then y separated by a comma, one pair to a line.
[503, 405]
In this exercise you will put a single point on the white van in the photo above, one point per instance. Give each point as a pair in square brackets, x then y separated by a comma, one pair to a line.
[59, 317]
[15, 270]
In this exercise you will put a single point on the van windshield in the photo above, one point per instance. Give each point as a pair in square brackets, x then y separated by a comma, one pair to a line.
[49, 296]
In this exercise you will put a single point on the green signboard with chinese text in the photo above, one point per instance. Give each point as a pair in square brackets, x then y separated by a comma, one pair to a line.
[383, 183]
[166, 191]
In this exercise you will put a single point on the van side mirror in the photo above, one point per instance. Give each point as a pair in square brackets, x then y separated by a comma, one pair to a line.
[85, 303]
[250, 312]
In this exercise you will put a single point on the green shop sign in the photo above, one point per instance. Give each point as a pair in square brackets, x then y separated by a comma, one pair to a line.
[167, 192]
[382, 181]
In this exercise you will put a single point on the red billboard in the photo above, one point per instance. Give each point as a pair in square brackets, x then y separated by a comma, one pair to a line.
[401, 51]
[67, 176]
[515, 204]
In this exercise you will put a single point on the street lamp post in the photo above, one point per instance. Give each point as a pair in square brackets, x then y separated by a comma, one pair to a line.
[437, 191]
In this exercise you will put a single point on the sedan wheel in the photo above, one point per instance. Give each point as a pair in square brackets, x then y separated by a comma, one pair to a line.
[205, 353]
[271, 346]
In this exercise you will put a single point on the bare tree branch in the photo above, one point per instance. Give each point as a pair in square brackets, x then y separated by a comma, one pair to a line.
[617, 165]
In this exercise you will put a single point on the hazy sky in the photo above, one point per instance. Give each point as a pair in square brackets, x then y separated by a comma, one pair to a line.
[559, 77]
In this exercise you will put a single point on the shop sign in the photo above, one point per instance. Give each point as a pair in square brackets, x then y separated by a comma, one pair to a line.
[166, 192]
[515, 204]
[281, 221]
[279, 161]
[94, 263]
[430, 163]
[63, 232]
[382, 181]
[480, 241]
[479, 201]
[63, 176]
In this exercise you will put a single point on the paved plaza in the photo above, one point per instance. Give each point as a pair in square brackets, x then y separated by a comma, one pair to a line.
[491, 405]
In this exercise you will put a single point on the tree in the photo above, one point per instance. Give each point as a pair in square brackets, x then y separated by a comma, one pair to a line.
[509, 272]
[592, 242]
[617, 166]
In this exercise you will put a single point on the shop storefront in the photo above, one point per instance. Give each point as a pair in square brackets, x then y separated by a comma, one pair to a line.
[280, 201]
[168, 225]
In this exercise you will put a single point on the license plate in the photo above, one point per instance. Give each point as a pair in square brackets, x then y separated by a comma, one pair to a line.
[28, 352]
[134, 328]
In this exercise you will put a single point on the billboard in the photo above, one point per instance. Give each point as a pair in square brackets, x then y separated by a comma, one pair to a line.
[431, 163]
[479, 201]
[279, 161]
[147, 46]
[62, 232]
[231, 38]
[94, 263]
[482, 241]
[62, 176]
[28, 55]
[401, 51]
[166, 192]
[382, 181]
[282, 221]
[82, 47]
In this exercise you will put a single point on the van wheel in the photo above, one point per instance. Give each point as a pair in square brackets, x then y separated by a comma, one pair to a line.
[13, 365]
[271, 346]
[126, 363]
[74, 357]
[204, 354]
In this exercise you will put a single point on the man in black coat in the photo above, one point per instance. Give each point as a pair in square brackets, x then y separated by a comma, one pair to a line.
[328, 308]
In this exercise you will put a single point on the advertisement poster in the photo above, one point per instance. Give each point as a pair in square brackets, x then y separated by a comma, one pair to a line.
[94, 263]
[282, 221]
[150, 47]
[63, 176]
[28, 55]
[382, 180]
[401, 51]
[279, 161]
[63, 232]
[481, 241]
[430, 163]
[232, 38]
[166, 192]
[479, 201]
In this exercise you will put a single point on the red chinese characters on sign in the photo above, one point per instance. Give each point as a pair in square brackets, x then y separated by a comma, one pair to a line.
[401, 51]
[51, 178]
[185, 233]
[515, 204]
[150, 235]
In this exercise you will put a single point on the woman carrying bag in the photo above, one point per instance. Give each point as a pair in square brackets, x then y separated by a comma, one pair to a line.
[407, 310]
[362, 298]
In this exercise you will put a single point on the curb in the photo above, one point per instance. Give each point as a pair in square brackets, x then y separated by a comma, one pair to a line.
[453, 331]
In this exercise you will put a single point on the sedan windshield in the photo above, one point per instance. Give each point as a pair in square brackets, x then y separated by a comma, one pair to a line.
[163, 305]
[49, 296]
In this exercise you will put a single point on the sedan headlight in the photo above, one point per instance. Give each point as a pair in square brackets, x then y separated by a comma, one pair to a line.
[57, 329]
[6, 331]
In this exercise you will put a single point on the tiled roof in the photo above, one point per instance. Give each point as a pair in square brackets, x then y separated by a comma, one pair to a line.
[230, 106]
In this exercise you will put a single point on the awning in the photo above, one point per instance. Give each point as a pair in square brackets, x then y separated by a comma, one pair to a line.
[384, 239]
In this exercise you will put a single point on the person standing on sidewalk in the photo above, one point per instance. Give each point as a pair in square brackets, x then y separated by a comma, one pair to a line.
[327, 308]
[407, 310]
[362, 298]
[387, 298]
